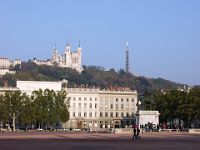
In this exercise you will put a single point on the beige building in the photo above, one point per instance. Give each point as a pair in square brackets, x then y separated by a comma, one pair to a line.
[4, 62]
[68, 59]
[95, 108]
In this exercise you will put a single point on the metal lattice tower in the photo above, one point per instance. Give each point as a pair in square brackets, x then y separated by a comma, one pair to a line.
[127, 58]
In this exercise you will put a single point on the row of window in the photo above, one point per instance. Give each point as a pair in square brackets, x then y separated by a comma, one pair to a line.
[104, 114]
[85, 98]
[116, 114]
[122, 100]
[85, 105]
[111, 106]
[84, 114]
[117, 99]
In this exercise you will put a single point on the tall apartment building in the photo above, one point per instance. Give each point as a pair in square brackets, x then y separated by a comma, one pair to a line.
[68, 59]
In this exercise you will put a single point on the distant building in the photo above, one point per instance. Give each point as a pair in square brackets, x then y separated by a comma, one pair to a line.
[30, 86]
[67, 60]
[92, 109]
[5, 65]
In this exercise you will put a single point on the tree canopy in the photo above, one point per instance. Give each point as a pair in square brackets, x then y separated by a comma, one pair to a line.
[175, 105]
[91, 76]
[45, 108]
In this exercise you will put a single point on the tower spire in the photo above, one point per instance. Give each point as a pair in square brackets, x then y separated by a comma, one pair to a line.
[54, 47]
[127, 58]
[79, 44]
[68, 43]
[127, 45]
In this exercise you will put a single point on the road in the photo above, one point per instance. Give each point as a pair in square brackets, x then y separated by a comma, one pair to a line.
[96, 141]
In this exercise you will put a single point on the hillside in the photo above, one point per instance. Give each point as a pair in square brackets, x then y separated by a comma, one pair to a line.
[91, 76]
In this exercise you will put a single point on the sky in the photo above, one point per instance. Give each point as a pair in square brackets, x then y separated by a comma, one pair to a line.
[163, 35]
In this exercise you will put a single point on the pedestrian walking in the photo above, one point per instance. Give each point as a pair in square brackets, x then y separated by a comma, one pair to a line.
[138, 134]
[134, 134]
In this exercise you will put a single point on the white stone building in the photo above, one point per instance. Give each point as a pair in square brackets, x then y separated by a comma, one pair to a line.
[30, 86]
[68, 59]
[15, 62]
[145, 117]
[5, 65]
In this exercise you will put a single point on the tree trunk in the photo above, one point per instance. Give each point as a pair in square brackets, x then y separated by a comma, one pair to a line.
[13, 122]
[179, 122]
[26, 127]
[1, 124]
[46, 127]
[172, 123]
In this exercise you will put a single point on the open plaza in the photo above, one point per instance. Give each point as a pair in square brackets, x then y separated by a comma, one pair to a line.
[97, 141]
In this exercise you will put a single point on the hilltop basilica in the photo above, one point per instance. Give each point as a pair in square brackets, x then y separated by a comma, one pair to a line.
[67, 60]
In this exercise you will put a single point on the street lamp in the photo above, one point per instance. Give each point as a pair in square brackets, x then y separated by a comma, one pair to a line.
[138, 105]
[138, 112]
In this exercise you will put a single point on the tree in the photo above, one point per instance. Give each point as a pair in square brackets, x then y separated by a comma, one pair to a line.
[14, 102]
[147, 100]
[51, 107]
[174, 100]
[39, 102]
[4, 114]
[178, 104]
[27, 114]
[91, 76]
[51, 113]
[190, 107]
[62, 105]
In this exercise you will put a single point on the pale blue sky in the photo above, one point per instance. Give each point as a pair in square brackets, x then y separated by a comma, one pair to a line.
[163, 35]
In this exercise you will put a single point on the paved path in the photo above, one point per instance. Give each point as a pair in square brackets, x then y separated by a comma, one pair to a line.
[96, 141]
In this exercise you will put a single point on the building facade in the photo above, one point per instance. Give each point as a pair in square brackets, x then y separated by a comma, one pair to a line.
[4, 62]
[29, 86]
[68, 59]
[145, 117]
[5, 65]
[96, 109]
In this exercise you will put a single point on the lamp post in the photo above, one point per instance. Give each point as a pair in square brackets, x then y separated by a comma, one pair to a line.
[138, 113]
[138, 105]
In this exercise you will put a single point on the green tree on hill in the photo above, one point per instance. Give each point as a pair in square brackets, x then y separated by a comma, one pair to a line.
[91, 76]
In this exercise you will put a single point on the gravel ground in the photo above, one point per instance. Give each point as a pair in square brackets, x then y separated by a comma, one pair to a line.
[96, 141]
